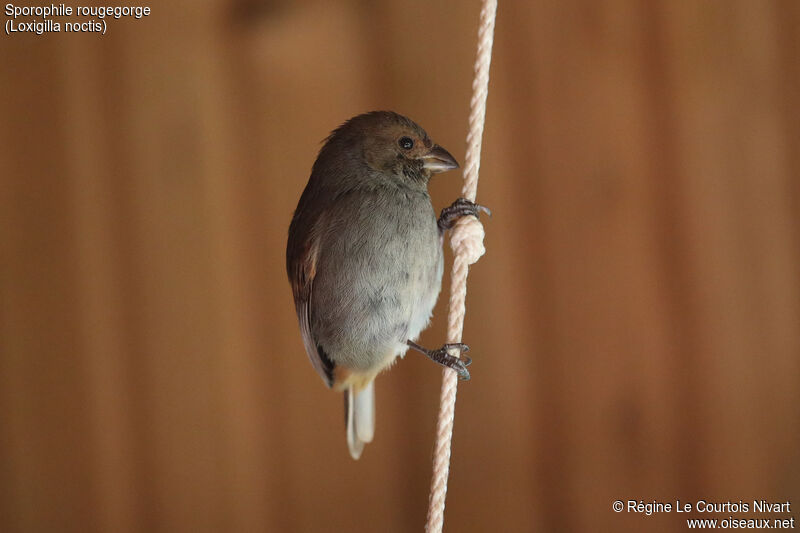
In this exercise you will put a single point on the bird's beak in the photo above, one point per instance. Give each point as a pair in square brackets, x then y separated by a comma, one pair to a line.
[438, 160]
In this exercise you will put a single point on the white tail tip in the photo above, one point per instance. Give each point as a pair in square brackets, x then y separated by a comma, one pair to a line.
[360, 416]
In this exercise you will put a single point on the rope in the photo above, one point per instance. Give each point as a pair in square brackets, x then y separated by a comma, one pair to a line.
[467, 243]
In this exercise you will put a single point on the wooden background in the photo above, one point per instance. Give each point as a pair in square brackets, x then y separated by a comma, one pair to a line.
[635, 324]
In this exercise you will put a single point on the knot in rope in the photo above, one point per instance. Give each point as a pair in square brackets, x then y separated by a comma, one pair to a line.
[466, 239]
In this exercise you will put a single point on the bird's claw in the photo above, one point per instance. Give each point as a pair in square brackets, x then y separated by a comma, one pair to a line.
[460, 208]
[458, 364]
[442, 357]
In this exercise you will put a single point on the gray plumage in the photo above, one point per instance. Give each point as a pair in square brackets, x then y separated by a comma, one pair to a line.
[364, 255]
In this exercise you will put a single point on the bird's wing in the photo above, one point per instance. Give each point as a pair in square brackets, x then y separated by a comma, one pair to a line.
[302, 268]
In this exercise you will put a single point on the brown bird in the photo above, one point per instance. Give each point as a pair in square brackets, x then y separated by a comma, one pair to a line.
[364, 257]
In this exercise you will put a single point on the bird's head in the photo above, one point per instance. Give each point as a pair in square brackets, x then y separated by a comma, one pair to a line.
[393, 144]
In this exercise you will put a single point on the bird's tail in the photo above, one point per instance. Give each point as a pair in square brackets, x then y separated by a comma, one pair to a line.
[359, 412]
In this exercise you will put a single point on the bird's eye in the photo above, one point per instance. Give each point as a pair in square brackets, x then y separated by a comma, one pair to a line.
[406, 143]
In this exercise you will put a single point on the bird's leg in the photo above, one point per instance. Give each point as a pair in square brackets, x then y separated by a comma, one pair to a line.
[459, 364]
[460, 208]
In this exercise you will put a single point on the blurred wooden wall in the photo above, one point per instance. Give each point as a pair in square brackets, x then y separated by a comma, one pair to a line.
[635, 324]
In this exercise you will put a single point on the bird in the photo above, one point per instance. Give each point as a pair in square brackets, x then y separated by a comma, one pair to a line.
[364, 257]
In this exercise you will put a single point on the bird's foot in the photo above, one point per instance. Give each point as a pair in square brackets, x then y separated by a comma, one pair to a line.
[440, 356]
[460, 208]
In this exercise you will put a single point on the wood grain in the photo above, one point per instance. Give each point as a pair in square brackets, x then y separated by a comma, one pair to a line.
[635, 323]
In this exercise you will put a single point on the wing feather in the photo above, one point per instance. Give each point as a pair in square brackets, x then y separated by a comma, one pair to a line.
[302, 268]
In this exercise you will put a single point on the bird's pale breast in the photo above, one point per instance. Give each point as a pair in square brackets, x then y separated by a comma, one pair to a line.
[384, 261]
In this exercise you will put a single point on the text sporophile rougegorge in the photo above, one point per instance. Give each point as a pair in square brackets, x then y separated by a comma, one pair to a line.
[50, 18]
